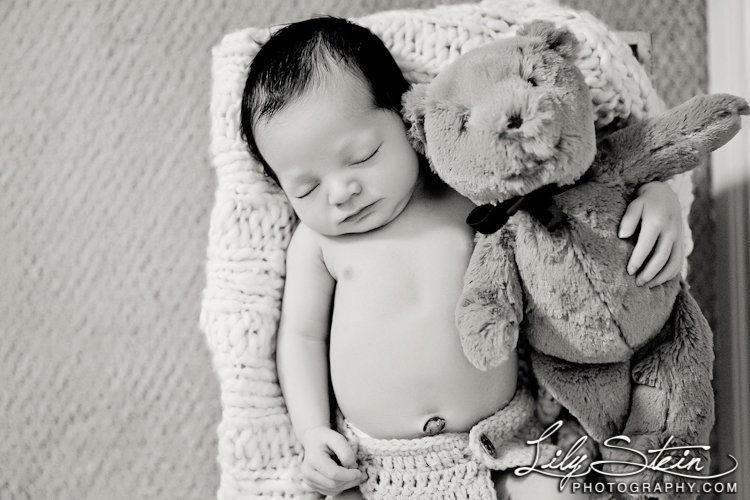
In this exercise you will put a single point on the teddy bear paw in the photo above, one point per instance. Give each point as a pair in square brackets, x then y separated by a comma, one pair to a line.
[721, 112]
[486, 341]
[730, 110]
[737, 105]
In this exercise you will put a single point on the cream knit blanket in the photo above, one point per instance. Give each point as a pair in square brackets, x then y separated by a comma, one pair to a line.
[251, 221]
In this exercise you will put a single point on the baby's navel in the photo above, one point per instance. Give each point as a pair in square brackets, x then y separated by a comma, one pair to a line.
[434, 425]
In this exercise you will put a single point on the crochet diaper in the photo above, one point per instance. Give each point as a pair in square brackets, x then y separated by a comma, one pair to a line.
[251, 221]
[450, 465]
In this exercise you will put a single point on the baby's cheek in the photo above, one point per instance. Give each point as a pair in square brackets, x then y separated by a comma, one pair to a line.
[305, 214]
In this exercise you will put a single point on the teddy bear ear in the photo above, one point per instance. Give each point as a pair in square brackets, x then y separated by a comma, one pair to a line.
[561, 40]
[414, 103]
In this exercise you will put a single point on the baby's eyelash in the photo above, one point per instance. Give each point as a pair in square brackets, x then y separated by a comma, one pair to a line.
[308, 192]
[371, 155]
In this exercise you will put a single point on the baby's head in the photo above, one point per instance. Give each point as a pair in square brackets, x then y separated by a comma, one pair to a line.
[321, 112]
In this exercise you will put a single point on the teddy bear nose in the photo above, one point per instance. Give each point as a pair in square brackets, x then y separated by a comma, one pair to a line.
[515, 121]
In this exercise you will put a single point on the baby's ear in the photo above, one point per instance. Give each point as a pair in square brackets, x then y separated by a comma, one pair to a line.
[558, 39]
[414, 103]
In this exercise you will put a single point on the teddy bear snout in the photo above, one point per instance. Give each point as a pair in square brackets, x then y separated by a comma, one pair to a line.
[507, 122]
[505, 111]
[515, 121]
[498, 121]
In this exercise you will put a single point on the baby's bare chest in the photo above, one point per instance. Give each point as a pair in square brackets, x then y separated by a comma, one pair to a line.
[406, 264]
[394, 342]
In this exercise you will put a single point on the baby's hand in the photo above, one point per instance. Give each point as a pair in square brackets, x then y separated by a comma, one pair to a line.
[661, 236]
[319, 469]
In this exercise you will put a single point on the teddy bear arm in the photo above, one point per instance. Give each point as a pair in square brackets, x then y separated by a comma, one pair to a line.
[490, 308]
[676, 141]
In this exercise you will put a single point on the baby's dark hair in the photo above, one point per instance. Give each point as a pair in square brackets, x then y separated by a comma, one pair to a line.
[298, 56]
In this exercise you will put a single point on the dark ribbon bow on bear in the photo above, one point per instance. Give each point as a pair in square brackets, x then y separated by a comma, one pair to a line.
[540, 204]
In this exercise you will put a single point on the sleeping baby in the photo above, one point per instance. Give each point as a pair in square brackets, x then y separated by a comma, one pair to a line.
[374, 272]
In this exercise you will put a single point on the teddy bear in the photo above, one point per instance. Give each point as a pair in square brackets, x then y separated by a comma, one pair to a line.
[510, 126]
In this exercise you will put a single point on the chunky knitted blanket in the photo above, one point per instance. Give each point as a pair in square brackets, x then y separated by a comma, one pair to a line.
[251, 221]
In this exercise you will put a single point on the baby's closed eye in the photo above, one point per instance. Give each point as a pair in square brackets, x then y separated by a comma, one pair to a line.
[366, 157]
[305, 190]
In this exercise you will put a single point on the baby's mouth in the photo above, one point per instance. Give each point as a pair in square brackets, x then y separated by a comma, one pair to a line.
[359, 214]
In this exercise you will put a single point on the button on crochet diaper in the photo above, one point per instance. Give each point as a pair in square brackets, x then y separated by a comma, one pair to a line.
[433, 426]
[487, 445]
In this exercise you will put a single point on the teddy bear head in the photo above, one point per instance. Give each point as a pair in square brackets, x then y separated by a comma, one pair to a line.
[507, 118]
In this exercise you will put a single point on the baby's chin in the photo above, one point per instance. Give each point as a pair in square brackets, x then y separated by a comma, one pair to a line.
[360, 227]
[372, 222]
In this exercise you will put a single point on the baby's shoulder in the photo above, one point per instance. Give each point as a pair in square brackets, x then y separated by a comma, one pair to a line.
[304, 241]
[303, 235]
[321, 250]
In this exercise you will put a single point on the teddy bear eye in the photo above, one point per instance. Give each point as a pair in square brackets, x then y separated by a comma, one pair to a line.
[532, 81]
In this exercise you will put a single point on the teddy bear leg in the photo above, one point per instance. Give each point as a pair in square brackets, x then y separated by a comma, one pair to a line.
[691, 405]
[673, 401]
[643, 432]
[597, 395]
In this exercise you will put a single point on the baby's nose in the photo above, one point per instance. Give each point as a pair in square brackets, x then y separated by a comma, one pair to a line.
[341, 192]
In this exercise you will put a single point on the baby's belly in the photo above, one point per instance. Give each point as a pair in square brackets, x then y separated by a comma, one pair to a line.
[395, 365]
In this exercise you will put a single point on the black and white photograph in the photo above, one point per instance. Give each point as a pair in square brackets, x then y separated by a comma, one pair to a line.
[375, 249]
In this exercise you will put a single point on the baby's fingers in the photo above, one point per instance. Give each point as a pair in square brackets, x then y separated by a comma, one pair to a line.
[646, 241]
[327, 477]
[630, 220]
[319, 482]
[322, 484]
[657, 261]
[340, 447]
[333, 471]
[669, 271]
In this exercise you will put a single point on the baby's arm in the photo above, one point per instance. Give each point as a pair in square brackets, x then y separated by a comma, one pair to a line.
[302, 363]
[657, 209]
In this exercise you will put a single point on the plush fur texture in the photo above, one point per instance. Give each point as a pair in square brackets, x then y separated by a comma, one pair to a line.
[507, 119]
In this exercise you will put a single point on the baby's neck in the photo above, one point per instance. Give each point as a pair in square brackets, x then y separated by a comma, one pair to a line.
[430, 187]
[433, 198]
